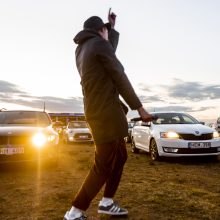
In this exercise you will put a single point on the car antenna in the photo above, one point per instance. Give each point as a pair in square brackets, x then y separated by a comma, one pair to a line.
[44, 106]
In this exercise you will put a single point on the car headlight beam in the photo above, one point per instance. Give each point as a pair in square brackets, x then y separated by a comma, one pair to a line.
[169, 135]
[39, 140]
[215, 134]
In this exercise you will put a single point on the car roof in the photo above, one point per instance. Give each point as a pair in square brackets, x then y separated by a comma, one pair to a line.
[180, 112]
[22, 111]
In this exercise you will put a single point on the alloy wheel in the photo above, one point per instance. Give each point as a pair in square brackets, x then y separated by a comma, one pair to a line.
[153, 150]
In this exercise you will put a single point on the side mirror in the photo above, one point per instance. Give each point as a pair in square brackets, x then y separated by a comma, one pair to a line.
[202, 122]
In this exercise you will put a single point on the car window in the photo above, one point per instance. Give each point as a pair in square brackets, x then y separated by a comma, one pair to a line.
[187, 120]
[58, 124]
[24, 118]
[174, 118]
[78, 124]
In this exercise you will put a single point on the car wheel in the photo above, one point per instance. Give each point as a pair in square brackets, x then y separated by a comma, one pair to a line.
[133, 147]
[154, 151]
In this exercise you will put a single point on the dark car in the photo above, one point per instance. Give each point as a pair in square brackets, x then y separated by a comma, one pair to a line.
[27, 136]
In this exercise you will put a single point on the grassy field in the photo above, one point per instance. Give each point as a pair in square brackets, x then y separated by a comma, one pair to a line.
[186, 189]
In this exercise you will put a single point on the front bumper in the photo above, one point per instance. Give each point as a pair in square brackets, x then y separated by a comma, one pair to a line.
[180, 148]
[80, 137]
[31, 153]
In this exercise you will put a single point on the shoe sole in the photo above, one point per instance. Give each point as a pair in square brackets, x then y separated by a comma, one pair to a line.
[112, 213]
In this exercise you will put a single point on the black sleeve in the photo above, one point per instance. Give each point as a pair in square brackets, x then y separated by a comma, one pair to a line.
[125, 108]
[113, 38]
[106, 55]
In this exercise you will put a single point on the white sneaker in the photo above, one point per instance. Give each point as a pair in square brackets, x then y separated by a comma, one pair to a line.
[68, 217]
[113, 209]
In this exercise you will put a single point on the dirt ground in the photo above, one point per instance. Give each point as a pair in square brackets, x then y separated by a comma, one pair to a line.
[186, 189]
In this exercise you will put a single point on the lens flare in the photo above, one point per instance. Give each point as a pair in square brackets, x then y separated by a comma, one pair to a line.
[39, 140]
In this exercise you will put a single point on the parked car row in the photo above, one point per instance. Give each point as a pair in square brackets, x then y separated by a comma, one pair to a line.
[174, 134]
[74, 132]
[32, 136]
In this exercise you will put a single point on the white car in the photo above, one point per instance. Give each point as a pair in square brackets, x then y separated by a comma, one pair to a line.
[77, 131]
[174, 134]
[216, 125]
[130, 126]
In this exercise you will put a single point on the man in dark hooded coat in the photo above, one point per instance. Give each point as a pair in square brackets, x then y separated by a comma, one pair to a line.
[103, 80]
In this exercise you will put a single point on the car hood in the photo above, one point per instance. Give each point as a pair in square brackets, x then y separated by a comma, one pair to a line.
[184, 128]
[17, 130]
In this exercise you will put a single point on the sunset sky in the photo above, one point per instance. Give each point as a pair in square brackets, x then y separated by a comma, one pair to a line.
[170, 50]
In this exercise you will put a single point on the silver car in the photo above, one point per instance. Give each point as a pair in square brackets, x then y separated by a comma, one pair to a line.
[27, 136]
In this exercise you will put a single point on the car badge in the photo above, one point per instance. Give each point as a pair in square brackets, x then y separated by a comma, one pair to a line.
[197, 132]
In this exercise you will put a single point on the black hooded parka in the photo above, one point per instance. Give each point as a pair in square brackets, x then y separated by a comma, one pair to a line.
[103, 80]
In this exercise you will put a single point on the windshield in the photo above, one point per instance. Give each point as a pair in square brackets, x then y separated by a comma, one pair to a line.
[78, 124]
[174, 118]
[24, 118]
[58, 125]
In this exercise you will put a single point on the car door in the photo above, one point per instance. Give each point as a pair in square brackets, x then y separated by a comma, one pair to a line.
[136, 133]
[145, 133]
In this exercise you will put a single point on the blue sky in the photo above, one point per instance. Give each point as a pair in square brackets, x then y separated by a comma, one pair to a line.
[170, 50]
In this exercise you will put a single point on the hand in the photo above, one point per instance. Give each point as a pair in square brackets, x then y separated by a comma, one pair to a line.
[111, 18]
[145, 116]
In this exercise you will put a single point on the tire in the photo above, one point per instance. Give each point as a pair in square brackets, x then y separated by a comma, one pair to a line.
[154, 151]
[133, 147]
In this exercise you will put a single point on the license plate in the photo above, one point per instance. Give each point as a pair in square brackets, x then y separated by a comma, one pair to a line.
[199, 144]
[83, 136]
[11, 150]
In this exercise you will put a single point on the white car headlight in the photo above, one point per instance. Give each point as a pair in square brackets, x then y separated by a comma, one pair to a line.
[215, 134]
[169, 134]
[39, 140]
